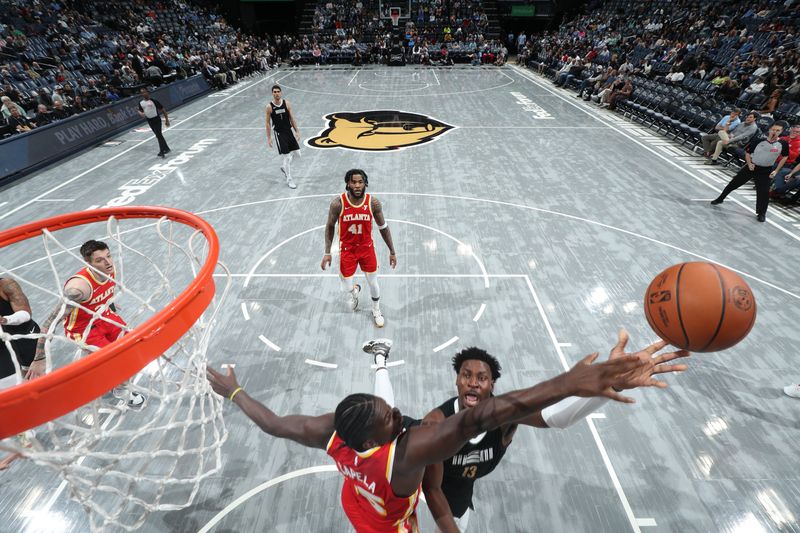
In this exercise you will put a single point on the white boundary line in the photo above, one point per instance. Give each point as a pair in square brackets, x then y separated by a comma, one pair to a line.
[244, 307]
[437, 77]
[445, 344]
[269, 343]
[320, 363]
[353, 78]
[480, 313]
[136, 145]
[264, 486]
[600, 446]
[524, 74]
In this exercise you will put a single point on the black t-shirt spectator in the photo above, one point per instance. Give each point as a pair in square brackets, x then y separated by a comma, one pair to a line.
[17, 121]
[59, 114]
[43, 118]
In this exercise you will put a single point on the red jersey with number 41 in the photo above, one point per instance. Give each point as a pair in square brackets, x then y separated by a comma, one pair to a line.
[367, 496]
[355, 223]
[76, 320]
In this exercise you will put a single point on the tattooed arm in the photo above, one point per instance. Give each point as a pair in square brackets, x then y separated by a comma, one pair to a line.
[75, 290]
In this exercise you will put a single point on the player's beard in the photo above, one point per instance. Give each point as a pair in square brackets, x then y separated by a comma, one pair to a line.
[355, 194]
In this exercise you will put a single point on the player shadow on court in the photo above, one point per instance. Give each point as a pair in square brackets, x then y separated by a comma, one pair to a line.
[739, 393]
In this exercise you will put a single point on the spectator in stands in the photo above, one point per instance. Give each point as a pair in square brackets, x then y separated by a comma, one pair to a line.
[771, 104]
[760, 156]
[8, 106]
[60, 110]
[211, 73]
[786, 179]
[569, 72]
[711, 141]
[18, 122]
[79, 106]
[594, 82]
[43, 116]
[620, 94]
[756, 87]
[675, 76]
[739, 136]
[294, 57]
[153, 75]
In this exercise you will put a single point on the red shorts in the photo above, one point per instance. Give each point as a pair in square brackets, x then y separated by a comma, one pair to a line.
[363, 257]
[102, 332]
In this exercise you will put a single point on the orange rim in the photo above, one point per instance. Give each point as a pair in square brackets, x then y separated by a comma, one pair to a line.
[35, 402]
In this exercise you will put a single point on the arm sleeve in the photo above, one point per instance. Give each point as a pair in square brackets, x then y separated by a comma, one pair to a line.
[141, 108]
[158, 104]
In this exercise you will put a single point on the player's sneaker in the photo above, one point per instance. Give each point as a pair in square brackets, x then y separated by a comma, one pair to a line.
[133, 399]
[792, 390]
[377, 347]
[378, 316]
[354, 296]
[289, 181]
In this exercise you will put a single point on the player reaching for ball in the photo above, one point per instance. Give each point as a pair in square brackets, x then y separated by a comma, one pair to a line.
[383, 463]
[355, 210]
[449, 485]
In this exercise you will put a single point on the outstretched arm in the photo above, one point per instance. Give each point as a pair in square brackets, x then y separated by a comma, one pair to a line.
[569, 411]
[330, 229]
[311, 431]
[76, 290]
[383, 227]
[436, 443]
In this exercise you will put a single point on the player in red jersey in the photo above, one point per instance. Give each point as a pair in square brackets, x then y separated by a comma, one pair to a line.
[383, 463]
[94, 323]
[355, 210]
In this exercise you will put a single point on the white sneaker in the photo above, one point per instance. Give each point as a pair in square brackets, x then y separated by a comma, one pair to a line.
[792, 390]
[378, 316]
[134, 399]
[289, 181]
[377, 347]
[354, 296]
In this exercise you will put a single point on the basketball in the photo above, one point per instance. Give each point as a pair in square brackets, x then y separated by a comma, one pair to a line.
[700, 307]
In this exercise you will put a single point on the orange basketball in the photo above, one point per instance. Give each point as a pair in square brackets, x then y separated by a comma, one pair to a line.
[700, 307]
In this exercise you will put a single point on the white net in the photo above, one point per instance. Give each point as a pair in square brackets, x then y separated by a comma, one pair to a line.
[122, 461]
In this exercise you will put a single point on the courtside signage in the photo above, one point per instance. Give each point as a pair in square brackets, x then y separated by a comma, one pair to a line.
[528, 105]
[129, 191]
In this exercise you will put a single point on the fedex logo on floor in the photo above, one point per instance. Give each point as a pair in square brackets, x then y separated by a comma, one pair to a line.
[138, 186]
[536, 111]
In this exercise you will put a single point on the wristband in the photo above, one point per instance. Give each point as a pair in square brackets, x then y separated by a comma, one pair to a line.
[234, 393]
[15, 319]
[39, 358]
[385, 225]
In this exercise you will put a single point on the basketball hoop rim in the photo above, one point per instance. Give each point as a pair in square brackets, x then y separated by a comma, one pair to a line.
[65, 389]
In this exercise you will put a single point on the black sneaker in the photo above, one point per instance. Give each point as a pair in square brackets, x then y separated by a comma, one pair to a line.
[716, 201]
[377, 347]
[761, 218]
[168, 150]
[160, 154]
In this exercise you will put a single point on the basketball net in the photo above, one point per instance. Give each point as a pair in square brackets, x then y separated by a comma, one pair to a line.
[122, 462]
[394, 14]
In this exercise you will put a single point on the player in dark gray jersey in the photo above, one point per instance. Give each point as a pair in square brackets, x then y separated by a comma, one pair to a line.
[448, 486]
[280, 120]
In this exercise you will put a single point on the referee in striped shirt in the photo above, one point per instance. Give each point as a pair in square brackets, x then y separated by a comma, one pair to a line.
[149, 109]
[761, 154]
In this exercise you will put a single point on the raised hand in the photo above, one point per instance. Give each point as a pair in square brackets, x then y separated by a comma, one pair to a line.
[223, 384]
[653, 364]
